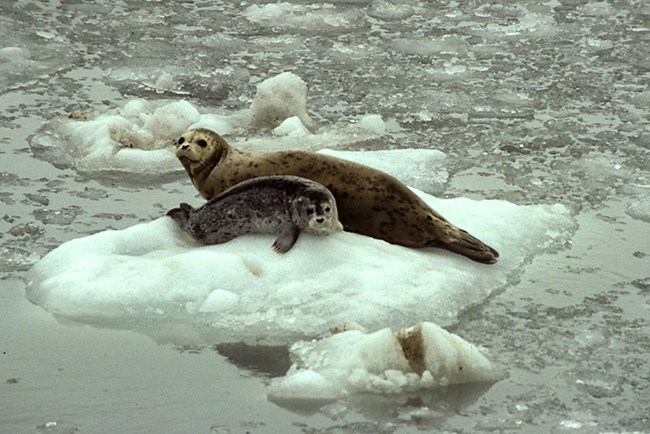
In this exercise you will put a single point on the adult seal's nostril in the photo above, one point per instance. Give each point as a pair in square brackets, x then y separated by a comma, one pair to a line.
[320, 220]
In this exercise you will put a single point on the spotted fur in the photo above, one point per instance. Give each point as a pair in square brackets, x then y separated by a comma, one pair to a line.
[284, 205]
[370, 202]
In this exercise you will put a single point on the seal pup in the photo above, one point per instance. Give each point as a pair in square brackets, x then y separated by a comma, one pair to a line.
[370, 202]
[285, 205]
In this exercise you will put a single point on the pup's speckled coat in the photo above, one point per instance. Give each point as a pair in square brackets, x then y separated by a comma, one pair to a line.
[285, 205]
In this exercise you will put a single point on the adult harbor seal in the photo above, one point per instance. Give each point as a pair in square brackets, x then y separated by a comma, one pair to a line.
[285, 205]
[370, 202]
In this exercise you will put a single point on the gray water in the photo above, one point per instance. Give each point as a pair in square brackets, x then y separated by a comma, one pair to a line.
[532, 103]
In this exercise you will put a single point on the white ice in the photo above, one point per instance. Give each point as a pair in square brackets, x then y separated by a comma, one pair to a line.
[356, 362]
[139, 137]
[279, 98]
[317, 18]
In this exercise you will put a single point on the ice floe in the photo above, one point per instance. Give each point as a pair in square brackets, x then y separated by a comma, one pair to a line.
[151, 277]
[138, 138]
[422, 357]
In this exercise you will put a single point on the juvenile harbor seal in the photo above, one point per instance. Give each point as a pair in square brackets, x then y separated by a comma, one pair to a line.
[285, 205]
[370, 202]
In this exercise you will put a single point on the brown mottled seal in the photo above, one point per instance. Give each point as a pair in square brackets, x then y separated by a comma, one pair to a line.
[285, 205]
[370, 202]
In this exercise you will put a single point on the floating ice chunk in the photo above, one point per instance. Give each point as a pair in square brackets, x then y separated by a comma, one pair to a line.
[530, 24]
[172, 120]
[165, 81]
[219, 123]
[423, 169]
[16, 259]
[448, 44]
[639, 209]
[143, 161]
[598, 44]
[137, 138]
[324, 137]
[151, 277]
[14, 54]
[114, 143]
[133, 108]
[279, 98]
[321, 18]
[57, 427]
[598, 9]
[102, 144]
[350, 325]
[373, 123]
[421, 357]
[304, 385]
[291, 127]
[219, 300]
[390, 10]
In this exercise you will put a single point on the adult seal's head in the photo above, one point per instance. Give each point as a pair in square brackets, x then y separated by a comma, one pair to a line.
[199, 151]
[370, 202]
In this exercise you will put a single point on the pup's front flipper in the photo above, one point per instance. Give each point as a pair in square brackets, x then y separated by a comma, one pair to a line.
[287, 238]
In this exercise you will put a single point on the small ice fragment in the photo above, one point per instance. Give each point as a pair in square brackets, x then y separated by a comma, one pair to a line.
[219, 300]
[278, 98]
[291, 127]
[373, 123]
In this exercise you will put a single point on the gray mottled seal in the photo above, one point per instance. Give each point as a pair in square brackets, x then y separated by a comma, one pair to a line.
[370, 202]
[285, 205]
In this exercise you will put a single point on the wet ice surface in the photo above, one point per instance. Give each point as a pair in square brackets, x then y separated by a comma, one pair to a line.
[531, 103]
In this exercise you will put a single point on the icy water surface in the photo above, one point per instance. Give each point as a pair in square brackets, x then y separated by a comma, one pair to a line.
[533, 103]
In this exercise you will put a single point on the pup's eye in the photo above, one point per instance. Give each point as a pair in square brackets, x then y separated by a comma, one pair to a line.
[202, 143]
[181, 140]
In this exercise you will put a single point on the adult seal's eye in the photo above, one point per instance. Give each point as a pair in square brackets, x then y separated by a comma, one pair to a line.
[202, 143]
[327, 209]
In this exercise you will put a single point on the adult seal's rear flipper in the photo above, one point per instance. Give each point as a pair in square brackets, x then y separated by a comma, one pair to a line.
[460, 241]
[287, 238]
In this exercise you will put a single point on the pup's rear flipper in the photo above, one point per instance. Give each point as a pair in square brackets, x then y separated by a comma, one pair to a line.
[181, 214]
